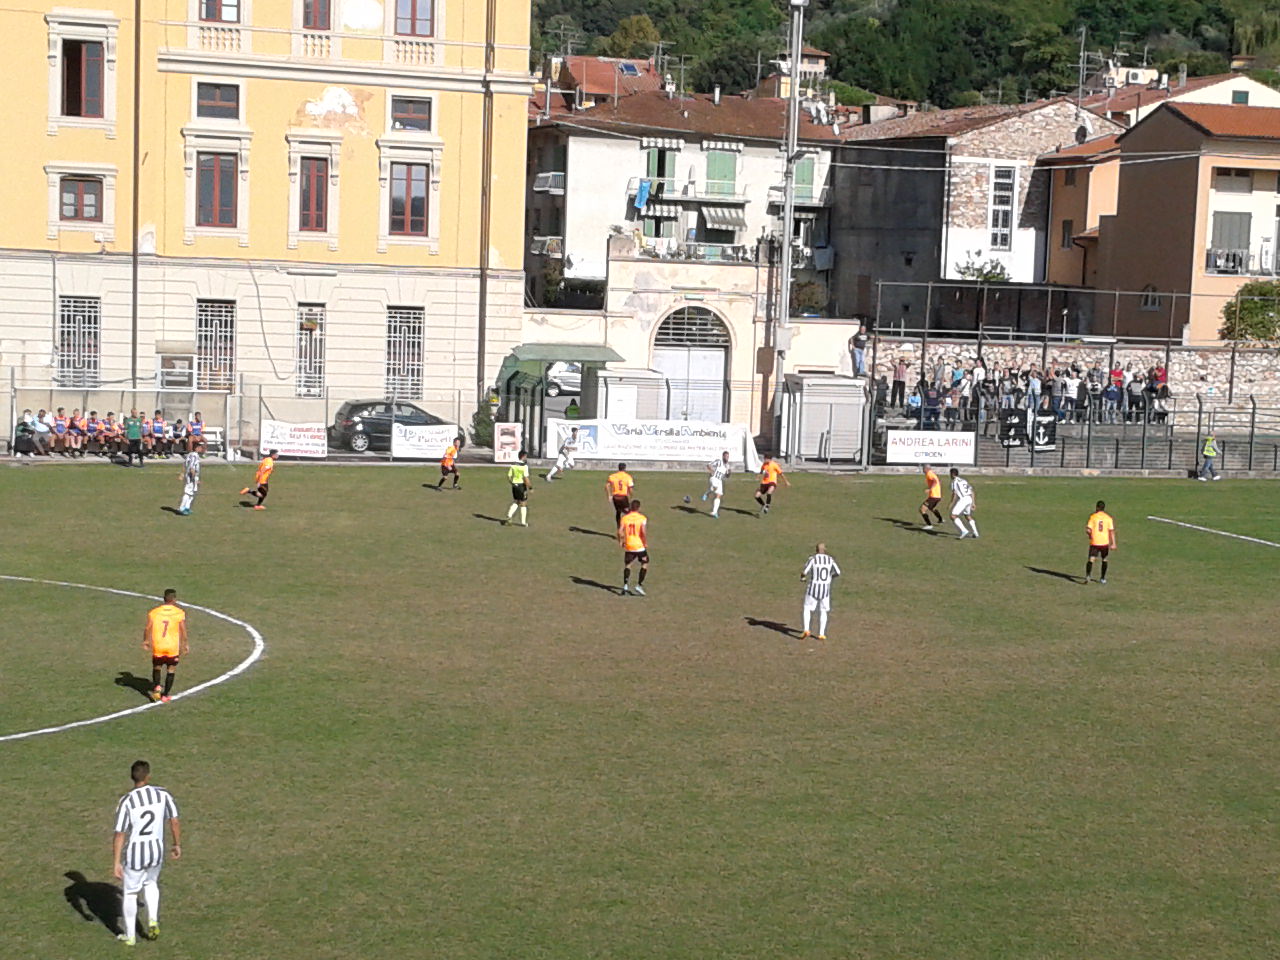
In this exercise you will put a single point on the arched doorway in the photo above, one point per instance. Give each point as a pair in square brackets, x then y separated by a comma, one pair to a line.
[692, 350]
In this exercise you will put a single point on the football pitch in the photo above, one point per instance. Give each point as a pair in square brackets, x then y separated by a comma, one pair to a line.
[461, 742]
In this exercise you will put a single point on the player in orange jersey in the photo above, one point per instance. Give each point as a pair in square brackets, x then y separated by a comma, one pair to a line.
[633, 537]
[932, 496]
[165, 636]
[770, 474]
[449, 463]
[1102, 540]
[620, 487]
[262, 478]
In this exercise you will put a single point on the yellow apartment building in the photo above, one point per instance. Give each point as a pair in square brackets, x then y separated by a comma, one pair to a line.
[1082, 191]
[303, 198]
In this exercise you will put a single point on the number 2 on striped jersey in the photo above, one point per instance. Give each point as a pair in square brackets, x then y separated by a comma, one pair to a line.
[148, 821]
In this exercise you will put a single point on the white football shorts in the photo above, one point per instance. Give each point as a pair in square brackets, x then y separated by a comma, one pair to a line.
[813, 603]
[963, 507]
[716, 486]
[135, 880]
[564, 462]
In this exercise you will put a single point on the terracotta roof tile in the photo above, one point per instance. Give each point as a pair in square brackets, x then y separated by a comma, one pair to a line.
[1097, 147]
[1232, 122]
[602, 76]
[1125, 99]
[943, 123]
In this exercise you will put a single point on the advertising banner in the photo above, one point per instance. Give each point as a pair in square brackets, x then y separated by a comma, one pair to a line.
[689, 441]
[932, 446]
[421, 443]
[508, 438]
[293, 439]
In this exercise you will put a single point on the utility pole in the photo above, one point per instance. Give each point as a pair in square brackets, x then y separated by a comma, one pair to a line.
[791, 148]
[759, 66]
[1080, 66]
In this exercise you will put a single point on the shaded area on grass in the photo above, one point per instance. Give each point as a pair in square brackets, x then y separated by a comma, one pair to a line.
[911, 526]
[584, 582]
[774, 625]
[141, 684]
[591, 533]
[94, 900]
[1055, 573]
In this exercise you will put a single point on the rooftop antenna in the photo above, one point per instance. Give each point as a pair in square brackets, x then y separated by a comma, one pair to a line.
[1080, 67]
[568, 37]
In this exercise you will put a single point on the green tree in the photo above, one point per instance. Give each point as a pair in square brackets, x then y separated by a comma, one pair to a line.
[635, 37]
[1253, 314]
[850, 96]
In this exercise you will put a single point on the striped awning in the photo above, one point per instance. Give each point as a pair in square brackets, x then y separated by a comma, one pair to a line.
[666, 211]
[724, 218]
[661, 143]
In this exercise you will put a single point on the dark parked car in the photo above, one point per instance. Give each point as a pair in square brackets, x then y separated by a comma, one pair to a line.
[362, 425]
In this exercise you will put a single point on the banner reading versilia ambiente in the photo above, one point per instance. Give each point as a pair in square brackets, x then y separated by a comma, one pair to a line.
[690, 441]
[932, 446]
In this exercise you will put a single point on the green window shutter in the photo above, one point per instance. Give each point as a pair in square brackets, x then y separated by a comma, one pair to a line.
[722, 169]
[804, 178]
[651, 164]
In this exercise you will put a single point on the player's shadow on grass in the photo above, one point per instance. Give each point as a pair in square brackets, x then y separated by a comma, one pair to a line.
[687, 509]
[745, 513]
[248, 503]
[591, 533]
[910, 526]
[773, 625]
[174, 510]
[584, 582]
[1054, 573]
[94, 900]
[481, 516]
[141, 684]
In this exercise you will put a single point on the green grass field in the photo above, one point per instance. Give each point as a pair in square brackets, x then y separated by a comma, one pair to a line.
[454, 749]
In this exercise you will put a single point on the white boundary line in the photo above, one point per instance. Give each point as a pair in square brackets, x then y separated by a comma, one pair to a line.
[1221, 533]
[258, 647]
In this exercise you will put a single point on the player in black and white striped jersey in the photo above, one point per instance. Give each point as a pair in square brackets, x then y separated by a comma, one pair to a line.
[717, 472]
[137, 848]
[962, 504]
[820, 570]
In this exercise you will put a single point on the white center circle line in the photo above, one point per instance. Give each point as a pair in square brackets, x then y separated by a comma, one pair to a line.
[258, 647]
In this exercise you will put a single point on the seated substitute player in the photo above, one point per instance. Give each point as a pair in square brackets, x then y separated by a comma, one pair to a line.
[770, 474]
[564, 459]
[196, 442]
[962, 504]
[262, 479]
[820, 570]
[633, 537]
[1102, 540]
[518, 475]
[137, 849]
[161, 435]
[932, 496]
[165, 635]
[717, 472]
[620, 487]
[449, 463]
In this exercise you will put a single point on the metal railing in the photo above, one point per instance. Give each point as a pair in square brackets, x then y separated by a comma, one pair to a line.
[805, 194]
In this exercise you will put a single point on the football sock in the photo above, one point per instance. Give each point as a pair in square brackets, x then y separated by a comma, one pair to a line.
[768, 498]
[806, 621]
[524, 513]
[626, 575]
[441, 483]
[959, 524]
[511, 511]
[155, 677]
[715, 506]
[168, 683]
[186, 502]
[551, 473]
[974, 524]
[759, 499]
[1088, 570]
[130, 915]
[822, 623]
[1104, 569]
[640, 577]
[938, 515]
[151, 897]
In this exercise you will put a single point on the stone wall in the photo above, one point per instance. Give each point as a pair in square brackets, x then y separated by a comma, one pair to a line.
[1204, 371]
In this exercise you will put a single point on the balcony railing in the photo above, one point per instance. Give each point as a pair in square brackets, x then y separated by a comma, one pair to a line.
[219, 39]
[670, 188]
[413, 53]
[549, 183]
[668, 248]
[547, 247]
[806, 195]
[813, 258]
[1241, 263]
[315, 46]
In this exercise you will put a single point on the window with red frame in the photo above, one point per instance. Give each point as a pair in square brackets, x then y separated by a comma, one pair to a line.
[81, 199]
[409, 199]
[218, 100]
[220, 11]
[413, 18]
[410, 113]
[315, 14]
[81, 78]
[314, 199]
[215, 190]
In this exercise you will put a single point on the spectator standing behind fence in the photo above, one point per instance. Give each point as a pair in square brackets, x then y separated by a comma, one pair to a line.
[1134, 393]
[858, 348]
[898, 398]
[1209, 453]
[1110, 402]
[932, 398]
[1033, 389]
